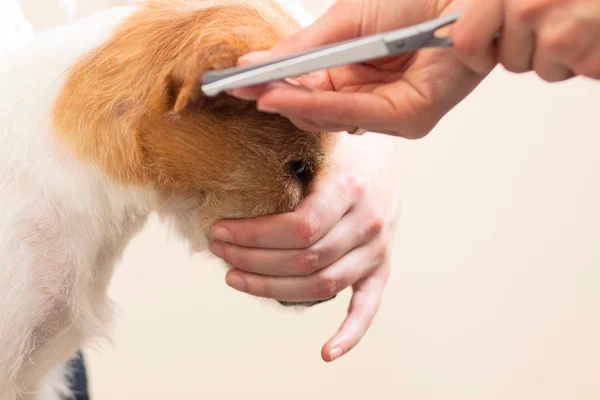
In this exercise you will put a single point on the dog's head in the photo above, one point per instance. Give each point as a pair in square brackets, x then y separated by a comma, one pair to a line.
[133, 105]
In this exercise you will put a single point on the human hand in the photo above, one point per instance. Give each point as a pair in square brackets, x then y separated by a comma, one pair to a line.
[338, 237]
[557, 39]
[405, 95]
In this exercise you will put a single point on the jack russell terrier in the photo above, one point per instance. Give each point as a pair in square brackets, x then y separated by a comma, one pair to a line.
[101, 123]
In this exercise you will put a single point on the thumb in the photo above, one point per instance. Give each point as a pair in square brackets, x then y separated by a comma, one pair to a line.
[340, 22]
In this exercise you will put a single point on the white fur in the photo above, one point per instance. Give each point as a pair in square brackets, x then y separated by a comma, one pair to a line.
[63, 223]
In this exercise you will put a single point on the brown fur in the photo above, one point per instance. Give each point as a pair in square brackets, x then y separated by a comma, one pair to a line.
[133, 106]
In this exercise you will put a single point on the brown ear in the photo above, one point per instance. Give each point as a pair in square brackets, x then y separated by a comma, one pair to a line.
[179, 87]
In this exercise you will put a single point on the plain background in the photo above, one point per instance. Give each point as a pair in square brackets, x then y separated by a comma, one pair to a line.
[495, 285]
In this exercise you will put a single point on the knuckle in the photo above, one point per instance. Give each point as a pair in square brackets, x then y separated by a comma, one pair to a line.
[552, 72]
[544, 75]
[229, 255]
[382, 251]
[307, 261]
[248, 237]
[240, 262]
[587, 69]
[555, 42]
[514, 66]
[327, 286]
[525, 11]
[579, 58]
[307, 228]
[467, 44]
[510, 67]
[260, 288]
[349, 112]
[475, 54]
[413, 134]
[462, 38]
[355, 185]
[375, 223]
[511, 62]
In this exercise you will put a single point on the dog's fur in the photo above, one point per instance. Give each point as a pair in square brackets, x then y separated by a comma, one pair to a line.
[102, 123]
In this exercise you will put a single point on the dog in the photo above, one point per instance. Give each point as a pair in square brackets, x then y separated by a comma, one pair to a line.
[101, 124]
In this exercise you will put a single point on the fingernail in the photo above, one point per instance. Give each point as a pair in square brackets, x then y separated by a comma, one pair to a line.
[335, 353]
[267, 109]
[292, 82]
[217, 249]
[255, 56]
[236, 281]
[220, 233]
[241, 96]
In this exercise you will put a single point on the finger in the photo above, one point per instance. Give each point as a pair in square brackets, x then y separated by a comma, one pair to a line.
[575, 41]
[550, 68]
[517, 43]
[307, 124]
[313, 218]
[254, 92]
[254, 57]
[473, 34]
[568, 43]
[313, 125]
[364, 305]
[348, 109]
[590, 66]
[340, 22]
[317, 80]
[352, 231]
[321, 285]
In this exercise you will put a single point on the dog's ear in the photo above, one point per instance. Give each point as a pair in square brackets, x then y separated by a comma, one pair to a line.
[178, 88]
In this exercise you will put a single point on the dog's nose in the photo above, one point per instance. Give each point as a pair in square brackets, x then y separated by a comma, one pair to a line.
[301, 170]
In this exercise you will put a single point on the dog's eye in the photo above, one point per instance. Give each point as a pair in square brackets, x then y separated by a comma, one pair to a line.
[301, 170]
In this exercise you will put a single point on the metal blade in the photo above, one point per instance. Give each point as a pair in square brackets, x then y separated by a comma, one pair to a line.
[369, 48]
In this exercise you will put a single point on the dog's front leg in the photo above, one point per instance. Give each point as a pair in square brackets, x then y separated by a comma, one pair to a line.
[38, 326]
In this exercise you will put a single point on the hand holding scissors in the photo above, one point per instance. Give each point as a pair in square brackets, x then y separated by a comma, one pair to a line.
[402, 81]
[376, 83]
[403, 94]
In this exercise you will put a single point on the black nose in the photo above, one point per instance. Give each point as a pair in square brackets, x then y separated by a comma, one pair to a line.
[301, 170]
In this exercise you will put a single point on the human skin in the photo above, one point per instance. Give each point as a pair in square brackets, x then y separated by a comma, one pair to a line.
[404, 96]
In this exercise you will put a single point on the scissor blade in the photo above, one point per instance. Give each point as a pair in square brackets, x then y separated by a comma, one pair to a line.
[369, 48]
[345, 53]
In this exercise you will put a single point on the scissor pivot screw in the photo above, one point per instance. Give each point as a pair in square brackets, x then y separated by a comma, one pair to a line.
[399, 44]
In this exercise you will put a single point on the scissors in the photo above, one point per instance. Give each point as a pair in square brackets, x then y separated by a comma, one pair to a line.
[343, 53]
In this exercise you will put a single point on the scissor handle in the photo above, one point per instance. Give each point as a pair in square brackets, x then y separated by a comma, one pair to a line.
[351, 51]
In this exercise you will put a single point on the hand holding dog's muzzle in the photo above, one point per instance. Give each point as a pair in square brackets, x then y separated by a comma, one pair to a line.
[338, 237]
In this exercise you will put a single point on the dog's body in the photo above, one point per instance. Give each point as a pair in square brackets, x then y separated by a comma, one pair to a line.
[100, 125]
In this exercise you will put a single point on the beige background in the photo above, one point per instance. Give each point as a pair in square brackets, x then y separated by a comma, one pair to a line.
[494, 292]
